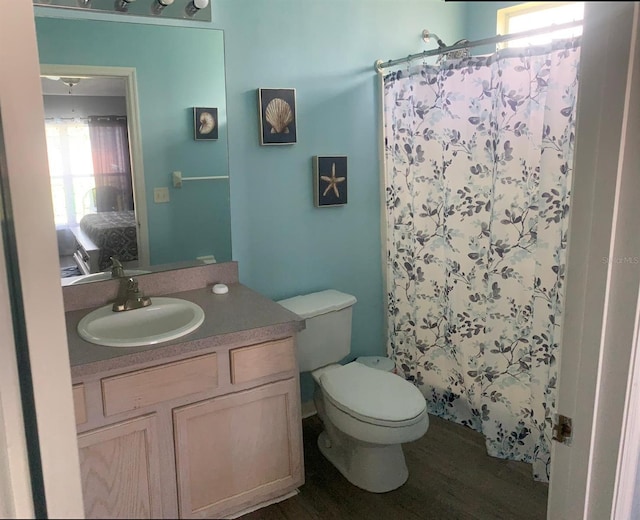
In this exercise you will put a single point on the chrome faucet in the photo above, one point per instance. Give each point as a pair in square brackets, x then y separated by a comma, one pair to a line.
[117, 271]
[129, 296]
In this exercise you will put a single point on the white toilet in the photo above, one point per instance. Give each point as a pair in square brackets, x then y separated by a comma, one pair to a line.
[367, 413]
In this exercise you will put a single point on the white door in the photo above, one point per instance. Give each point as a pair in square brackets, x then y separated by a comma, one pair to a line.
[37, 295]
[603, 272]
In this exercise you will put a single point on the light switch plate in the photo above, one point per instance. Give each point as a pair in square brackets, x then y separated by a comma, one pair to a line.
[160, 194]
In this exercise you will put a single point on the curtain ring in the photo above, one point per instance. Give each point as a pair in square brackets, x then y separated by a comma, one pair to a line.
[409, 65]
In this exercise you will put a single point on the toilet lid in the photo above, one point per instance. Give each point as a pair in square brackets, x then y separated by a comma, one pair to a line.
[370, 393]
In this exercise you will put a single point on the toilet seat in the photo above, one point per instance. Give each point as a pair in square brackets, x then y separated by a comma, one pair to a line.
[373, 396]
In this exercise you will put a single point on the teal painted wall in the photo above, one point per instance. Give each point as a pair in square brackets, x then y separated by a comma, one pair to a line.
[177, 68]
[326, 50]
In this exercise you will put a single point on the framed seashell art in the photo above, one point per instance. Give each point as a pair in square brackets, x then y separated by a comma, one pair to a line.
[329, 181]
[277, 116]
[205, 124]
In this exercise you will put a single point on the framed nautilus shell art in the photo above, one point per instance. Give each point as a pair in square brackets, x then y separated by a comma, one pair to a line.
[205, 124]
[329, 181]
[277, 115]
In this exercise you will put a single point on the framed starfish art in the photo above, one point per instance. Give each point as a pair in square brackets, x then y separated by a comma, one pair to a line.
[330, 180]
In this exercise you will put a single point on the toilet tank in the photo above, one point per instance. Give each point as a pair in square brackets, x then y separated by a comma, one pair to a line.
[326, 338]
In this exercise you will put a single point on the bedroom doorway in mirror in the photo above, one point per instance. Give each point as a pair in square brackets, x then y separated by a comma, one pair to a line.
[95, 166]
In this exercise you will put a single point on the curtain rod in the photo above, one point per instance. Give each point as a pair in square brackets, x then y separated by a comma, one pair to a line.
[443, 49]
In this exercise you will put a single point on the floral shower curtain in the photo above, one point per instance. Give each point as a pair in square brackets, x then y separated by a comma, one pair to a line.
[478, 163]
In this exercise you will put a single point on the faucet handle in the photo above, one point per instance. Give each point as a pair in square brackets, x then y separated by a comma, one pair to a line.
[117, 271]
[133, 291]
[129, 296]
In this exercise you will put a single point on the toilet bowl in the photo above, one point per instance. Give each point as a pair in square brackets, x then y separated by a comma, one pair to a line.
[367, 413]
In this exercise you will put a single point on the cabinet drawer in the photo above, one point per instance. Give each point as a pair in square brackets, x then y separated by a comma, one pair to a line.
[79, 404]
[264, 359]
[153, 385]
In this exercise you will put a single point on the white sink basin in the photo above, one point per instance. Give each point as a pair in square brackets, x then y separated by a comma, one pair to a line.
[96, 277]
[165, 319]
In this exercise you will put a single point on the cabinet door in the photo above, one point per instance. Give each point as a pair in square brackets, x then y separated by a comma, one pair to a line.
[238, 450]
[120, 471]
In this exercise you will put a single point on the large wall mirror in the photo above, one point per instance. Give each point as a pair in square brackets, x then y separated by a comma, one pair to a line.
[119, 113]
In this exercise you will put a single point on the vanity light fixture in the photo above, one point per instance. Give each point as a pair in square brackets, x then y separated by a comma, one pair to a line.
[159, 5]
[193, 10]
[194, 6]
[123, 5]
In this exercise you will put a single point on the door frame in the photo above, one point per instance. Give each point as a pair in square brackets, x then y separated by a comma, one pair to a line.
[626, 504]
[602, 286]
[135, 138]
[15, 478]
[35, 259]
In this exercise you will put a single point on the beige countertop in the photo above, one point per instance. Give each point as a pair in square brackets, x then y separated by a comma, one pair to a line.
[238, 317]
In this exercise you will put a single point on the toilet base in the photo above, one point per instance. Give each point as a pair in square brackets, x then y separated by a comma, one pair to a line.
[373, 467]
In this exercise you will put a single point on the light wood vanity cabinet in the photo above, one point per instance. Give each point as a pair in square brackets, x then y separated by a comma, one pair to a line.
[133, 390]
[237, 450]
[119, 465]
[208, 436]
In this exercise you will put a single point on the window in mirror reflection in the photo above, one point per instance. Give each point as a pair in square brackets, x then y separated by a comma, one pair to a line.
[70, 169]
[89, 167]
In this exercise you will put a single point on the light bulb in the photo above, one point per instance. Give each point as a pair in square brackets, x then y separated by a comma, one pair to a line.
[122, 5]
[195, 5]
[158, 6]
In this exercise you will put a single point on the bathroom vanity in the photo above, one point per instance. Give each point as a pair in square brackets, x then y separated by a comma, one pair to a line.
[206, 426]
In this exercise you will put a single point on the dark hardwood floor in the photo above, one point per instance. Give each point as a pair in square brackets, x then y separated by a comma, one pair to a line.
[450, 477]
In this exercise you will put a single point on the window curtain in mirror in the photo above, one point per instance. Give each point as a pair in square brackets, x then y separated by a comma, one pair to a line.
[477, 170]
[111, 163]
